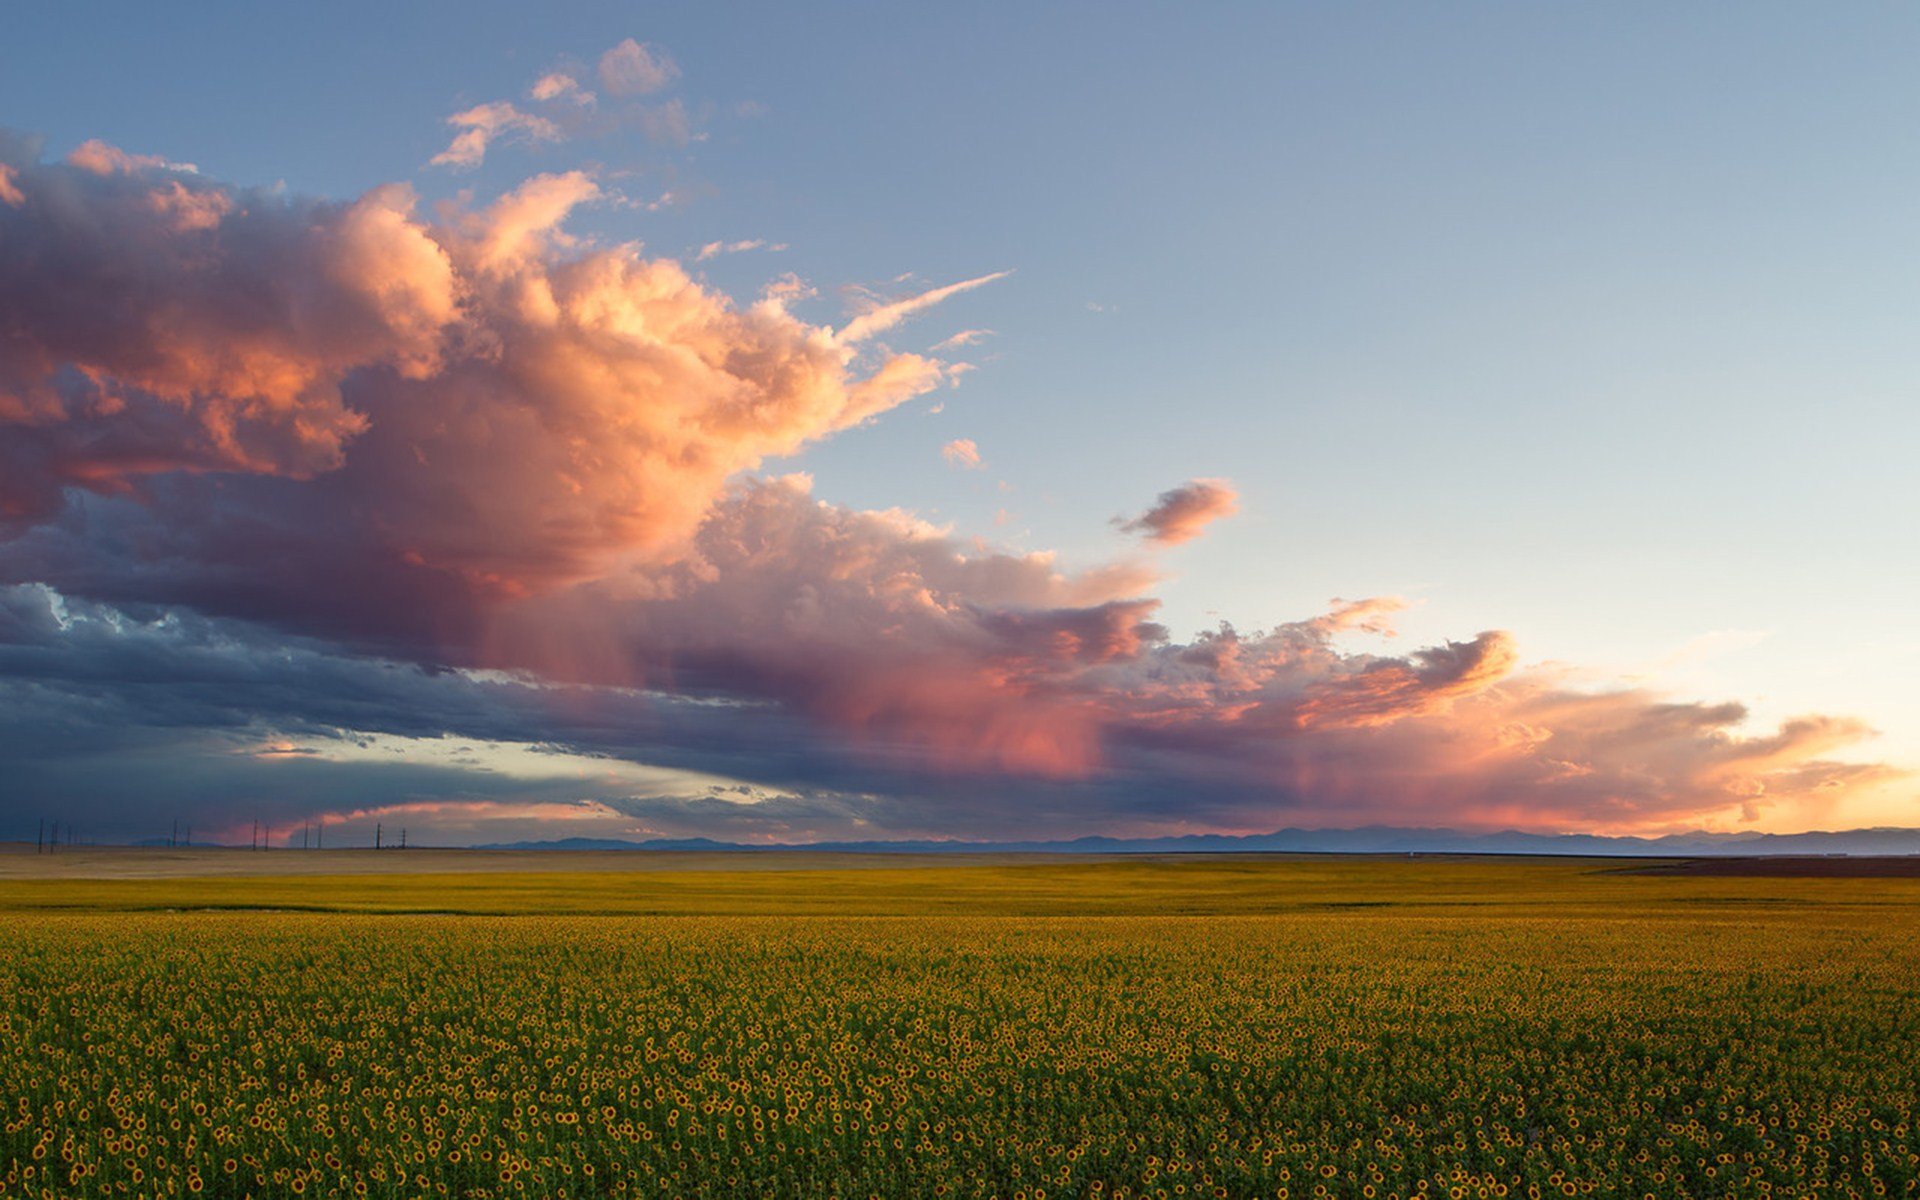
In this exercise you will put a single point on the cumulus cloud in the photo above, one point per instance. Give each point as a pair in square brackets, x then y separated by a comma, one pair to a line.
[161, 323]
[521, 408]
[277, 468]
[962, 452]
[1183, 513]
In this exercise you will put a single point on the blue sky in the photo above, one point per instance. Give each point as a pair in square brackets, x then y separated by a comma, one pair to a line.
[1586, 323]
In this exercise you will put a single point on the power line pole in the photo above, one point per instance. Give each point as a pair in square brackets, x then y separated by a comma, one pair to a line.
[376, 835]
[40, 838]
[403, 837]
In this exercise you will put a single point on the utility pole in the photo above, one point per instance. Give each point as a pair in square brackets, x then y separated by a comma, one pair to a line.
[376, 835]
[403, 837]
[173, 839]
[40, 838]
[306, 829]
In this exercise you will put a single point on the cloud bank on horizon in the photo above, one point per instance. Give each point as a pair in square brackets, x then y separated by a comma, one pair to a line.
[281, 476]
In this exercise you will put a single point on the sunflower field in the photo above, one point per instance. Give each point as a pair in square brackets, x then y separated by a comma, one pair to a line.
[1469, 1050]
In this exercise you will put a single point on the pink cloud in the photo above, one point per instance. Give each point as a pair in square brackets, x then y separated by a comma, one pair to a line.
[1183, 513]
[918, 650]
[966, 337]
[558, 85]
[483, 125]
[524, 409]
[713, 250]
[963, 453]
[99, 158]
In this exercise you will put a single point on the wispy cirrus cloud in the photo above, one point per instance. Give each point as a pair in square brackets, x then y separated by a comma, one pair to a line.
[966, 337]
[713, 250]
[877, 316]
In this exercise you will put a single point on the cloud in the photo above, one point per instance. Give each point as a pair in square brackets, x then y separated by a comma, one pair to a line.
[1183, 513]
[668, 124]
[99, 158]
[558, 109]
[558, 85]
[882, 316]
[637, 69]
[961, 452]
[868, 660]
[485, 124]
[713, 250]
[287, 471]
[160, 323]
[521, 409]
[966, 337]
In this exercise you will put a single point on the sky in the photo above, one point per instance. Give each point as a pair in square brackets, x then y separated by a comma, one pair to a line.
[782, 423]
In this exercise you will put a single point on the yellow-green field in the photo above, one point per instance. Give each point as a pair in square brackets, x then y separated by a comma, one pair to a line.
[994, 1027]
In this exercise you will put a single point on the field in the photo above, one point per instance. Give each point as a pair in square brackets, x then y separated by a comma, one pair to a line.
[430, 1023]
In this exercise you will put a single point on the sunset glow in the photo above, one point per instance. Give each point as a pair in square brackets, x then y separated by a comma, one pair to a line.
[476, 456]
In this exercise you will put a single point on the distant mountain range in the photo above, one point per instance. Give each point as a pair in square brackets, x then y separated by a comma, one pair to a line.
[1369, 840]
